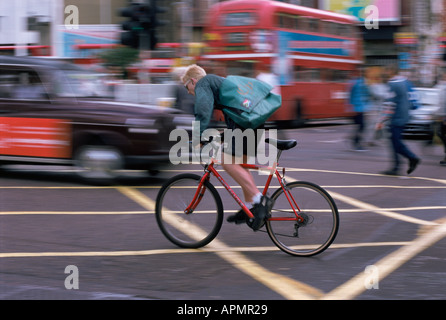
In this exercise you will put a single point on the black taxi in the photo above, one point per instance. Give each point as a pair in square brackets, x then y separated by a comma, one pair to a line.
[53, 112]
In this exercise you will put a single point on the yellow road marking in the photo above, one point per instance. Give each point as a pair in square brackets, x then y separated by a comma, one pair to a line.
[372, 208]
[388, 264]
[221, 187]
[443, 181]
[354, 210]
[286, 287]
[19, 213]
[369, 207]
[171, 251]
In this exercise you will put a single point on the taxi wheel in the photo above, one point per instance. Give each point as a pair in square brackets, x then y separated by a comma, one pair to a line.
[98, 163]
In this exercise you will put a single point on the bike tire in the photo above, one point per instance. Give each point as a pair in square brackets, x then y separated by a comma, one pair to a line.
[316, 233]
[193, 230]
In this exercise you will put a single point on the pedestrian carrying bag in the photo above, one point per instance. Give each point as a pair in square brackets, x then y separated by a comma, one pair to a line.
[250, 101]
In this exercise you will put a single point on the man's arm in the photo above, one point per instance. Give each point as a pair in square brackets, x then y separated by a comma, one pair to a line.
[204, 108]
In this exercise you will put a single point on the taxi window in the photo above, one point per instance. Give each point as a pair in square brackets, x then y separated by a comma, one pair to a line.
[21, 84]
[7, 83]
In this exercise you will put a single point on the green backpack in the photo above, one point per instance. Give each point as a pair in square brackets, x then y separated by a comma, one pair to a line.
[252, 97]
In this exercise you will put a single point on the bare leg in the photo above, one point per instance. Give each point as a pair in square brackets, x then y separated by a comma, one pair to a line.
[244, 178]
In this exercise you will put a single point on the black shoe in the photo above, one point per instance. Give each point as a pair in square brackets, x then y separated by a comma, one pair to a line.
[443, 162]
[261, 212]
[413, 163]
[238, 218]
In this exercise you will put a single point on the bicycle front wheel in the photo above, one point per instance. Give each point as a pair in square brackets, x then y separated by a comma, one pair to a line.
[318, 229]
[188, 230]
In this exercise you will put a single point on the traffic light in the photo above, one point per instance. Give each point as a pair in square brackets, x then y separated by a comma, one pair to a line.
[132, 27]
[141, 28]
[155, 22]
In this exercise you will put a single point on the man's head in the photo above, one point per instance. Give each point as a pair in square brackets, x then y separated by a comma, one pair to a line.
[191, 76]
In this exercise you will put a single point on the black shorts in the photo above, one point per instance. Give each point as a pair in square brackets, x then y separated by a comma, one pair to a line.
[238, 141]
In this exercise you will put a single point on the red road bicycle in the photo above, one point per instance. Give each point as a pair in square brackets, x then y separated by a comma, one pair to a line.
[303, 219]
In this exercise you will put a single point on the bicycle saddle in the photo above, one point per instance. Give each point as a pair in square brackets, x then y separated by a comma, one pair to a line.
[282, 144]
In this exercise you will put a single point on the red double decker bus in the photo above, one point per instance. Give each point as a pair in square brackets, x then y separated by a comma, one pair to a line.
[312, 52]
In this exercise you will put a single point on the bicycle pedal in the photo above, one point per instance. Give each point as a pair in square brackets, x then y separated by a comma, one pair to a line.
[250, 223]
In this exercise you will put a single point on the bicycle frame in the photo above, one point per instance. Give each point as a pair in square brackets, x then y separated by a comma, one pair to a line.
[210, 169]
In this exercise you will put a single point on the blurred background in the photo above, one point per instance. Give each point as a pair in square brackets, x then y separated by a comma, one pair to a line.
[411, 31]
[141, 42]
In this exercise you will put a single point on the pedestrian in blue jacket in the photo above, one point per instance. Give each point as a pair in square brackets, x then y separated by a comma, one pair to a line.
[398, 119]
[359, 99]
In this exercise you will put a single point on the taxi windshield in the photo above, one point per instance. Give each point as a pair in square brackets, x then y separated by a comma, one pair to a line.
[80, 83]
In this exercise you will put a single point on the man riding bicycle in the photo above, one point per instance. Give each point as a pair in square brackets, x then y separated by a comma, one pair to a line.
[206, 89]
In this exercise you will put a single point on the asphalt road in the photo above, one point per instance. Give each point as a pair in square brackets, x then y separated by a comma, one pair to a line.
[63, 239]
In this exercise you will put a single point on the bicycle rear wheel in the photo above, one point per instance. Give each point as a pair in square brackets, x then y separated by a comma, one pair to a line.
[193, 230]
[320, 225]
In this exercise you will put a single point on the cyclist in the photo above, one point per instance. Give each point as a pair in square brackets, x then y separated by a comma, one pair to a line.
[205, 88]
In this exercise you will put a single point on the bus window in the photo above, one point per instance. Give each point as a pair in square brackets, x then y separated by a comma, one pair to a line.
[296, 23]
[352, 31]
[328, 27]
[302, 74]
[278, 18]
[313, 25]
[340, 76]
[333, 28]
[290, 22]
[303, 23]
[238, 19]
[344, 30]
[327, 75]
[344, 76]
[240, 68]
[315, 75]
[324, 27]
[285, 21]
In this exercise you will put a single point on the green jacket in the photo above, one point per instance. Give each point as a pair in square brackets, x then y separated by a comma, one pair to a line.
[207, 97]
[246, 101]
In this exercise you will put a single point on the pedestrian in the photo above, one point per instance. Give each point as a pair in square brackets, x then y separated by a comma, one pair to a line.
[206, 89]
[399, 116]
[440, 117]
[379, 92]
[264, 74]
[359, 99]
